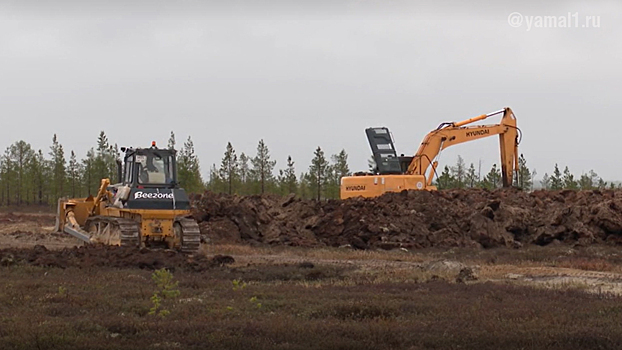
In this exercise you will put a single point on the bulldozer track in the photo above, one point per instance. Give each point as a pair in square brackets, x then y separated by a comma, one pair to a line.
[130, 236]
[128, 229]
[191, 235]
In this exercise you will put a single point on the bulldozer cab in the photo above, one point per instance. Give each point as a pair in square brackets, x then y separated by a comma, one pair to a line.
[149, 168]
[148, 180]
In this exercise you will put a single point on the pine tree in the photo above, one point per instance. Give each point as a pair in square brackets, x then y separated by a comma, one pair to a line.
[113, 160]
[305, 190]
[73, 172]
[40, 172]
[171, 141]
[287, 178]
[318, 173]
[89, 176]
[446, 180]
[493, 178]
[546, 181]
[568, 180]
[340, 161]
[214, 182]
[21, 154]
[556, 179]
[229, 168]
[594, 178]
[588, 181]
[471, 177]
[245, 173]
[338, 169]
[188, 169]
[100, 165]
[8, 178]
[459, 173]
[524, 180]
[58, 167]
[263, 167]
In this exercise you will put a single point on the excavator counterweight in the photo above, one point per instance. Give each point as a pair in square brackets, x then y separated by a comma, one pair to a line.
[395, 173]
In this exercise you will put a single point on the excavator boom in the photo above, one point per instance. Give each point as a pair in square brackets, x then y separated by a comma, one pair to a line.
[394, 174]
[449, 134]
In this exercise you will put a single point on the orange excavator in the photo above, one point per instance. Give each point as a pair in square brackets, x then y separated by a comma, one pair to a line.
[395, 174]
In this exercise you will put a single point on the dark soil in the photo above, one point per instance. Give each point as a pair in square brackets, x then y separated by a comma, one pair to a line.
[416, 219]
[108, 256]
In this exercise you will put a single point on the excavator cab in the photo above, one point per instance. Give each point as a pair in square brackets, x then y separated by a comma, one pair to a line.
[383, 151]
[389, 174]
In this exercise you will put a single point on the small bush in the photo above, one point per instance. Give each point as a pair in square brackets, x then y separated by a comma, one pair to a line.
[167, 289]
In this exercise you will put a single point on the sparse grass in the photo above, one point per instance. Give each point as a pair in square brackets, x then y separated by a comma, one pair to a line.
[296, 307]
[588, 264]
[592, 258]
[318, 253]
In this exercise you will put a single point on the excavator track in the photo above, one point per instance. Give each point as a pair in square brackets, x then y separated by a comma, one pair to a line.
[190, 234]
[113, 231]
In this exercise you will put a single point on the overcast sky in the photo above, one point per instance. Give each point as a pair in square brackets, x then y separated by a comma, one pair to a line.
[315, 73]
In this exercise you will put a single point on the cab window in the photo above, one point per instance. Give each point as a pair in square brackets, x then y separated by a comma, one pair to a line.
[154, 169]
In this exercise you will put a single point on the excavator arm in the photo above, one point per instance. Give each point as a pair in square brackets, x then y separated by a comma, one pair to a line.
[449, 134]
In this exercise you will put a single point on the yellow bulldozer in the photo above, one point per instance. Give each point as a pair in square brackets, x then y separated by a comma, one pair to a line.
[394, 173]
[145, 208]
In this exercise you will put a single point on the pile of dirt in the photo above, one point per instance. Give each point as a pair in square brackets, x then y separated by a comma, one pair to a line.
[416, 219]
[109, 256]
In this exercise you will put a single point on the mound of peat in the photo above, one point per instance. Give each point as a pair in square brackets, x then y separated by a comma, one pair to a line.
[416, 219]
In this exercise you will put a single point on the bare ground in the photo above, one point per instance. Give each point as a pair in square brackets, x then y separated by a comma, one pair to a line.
[240, 296]
[25, 230]
[592, 269]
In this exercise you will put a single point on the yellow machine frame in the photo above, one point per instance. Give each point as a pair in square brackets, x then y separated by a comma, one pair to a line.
[155, 225]
[446, 135]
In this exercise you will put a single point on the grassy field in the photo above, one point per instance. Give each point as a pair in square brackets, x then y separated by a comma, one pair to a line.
[296, 306]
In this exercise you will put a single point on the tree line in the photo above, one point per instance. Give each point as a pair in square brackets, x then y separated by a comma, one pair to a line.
[255, 174]
[29, 176]
[461, 176]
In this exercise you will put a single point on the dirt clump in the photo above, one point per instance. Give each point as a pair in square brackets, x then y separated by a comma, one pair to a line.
[416, 219]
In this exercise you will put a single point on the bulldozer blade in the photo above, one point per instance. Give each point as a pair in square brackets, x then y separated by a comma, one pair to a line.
[78, 234]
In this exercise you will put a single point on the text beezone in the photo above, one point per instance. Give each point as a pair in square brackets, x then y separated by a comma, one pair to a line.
[156, 195]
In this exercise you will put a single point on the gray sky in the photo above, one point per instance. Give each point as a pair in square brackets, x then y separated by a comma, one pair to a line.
[306, 75]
